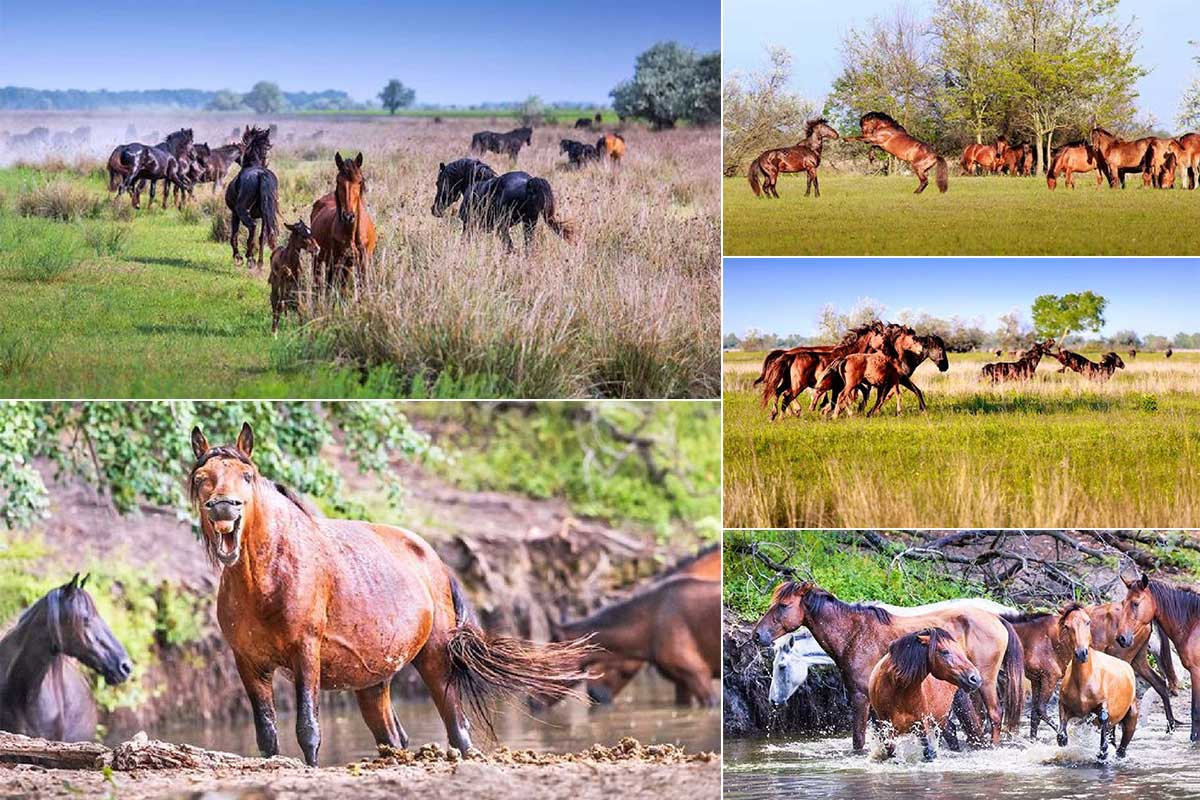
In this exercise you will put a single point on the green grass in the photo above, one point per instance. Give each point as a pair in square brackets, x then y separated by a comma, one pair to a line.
[876, 216]
[1056, 452]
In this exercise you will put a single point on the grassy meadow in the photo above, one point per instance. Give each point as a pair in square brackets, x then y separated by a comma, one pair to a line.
[1059, 451]
[876, 216]
[108, 303]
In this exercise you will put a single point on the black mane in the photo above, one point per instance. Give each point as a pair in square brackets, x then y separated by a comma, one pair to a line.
[910, 656]
[882, 117]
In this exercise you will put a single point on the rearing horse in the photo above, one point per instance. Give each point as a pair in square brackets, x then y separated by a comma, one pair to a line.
[889, 135]
[345, 604]
[804, 156]
[343, 226]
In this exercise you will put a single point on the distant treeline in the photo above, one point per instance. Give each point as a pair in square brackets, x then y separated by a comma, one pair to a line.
[964, 338]
[27, 99]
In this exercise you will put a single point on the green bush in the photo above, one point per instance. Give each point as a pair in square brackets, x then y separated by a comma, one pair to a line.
[60, 200]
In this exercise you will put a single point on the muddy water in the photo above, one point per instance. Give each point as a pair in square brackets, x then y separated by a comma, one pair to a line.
[1157, 766]
[645, 710]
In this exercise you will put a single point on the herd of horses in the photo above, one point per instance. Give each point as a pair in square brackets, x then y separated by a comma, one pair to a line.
[343, 605]
[929, 669]
[1111, 158]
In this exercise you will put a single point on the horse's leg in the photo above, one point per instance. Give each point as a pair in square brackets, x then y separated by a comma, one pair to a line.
[375, 704]
[1128, 725]
[808, 184]
[923, 177]
[1105, 731]
[991, 701]
[859, 703]
[683, 697]
[964, 711]
[233, 237]
[259, 689]
[927, 751]
[433, 664]
[1195, 673]
[816, 184]
[529, 226]
[881, 394]
[686, 666]
[250, 230]
[307, 673]
[912, 387]
[1142, 668]
[1035, 707]
[1062, 723]
[505, 237]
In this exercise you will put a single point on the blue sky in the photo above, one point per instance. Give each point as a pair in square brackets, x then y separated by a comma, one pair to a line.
[813, 32]
[784, 296]
[451, 52]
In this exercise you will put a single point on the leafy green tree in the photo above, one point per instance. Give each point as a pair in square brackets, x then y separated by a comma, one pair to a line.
[1055, 317]
[670, 83]
[1189, 104]
[265, 98]
[730, 340]
[761, 112]
[226, 100]
[967, 38]
[532, 111]
[396, 95]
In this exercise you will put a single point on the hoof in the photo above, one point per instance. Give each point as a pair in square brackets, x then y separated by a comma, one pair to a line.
[1121, 753]
[1062, 740]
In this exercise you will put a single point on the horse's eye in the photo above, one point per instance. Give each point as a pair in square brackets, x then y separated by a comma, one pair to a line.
[246, 477]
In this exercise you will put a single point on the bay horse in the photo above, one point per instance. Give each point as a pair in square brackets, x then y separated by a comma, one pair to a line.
[670, 625]
[1076, 157]
[1189, 144]
[1109, 363]
[1023, 369]
[912, 687]
[42, 692]
[498, 203]
[286, 270]
[1017, 161]
[253, 194]
[1162, 157]
[987, 157]
[882, 371]
[144, 163]
[343, 226]
[857, 635]
[1094, 683]
[1122, 157]
[219, 160]
[804, 156]
[341, 604]
[611, 145]
[510, 143]
[889, 135]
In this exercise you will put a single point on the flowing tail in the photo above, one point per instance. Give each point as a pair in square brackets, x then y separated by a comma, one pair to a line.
[771, 356]
[943, 175]
[115, 169]
[775, 365]
[1013, 666]
[753, 177]
[483, 666]
[268, 188]
[538, 191]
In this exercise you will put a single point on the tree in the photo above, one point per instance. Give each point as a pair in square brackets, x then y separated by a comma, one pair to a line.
[1055, 317]
[225, 100]
[265, 98]
[1013, 332]
[670, 83]
[396, 95]
[730, 341]
[832, 326]
[1189, 104]
[1127, 338]
[760, 112]
[967, 50]
[532, 111]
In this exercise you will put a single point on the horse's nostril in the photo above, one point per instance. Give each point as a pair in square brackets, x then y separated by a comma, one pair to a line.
[126, 668]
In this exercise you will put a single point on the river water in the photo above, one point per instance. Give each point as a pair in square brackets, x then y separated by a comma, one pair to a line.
[1157, 766]
[645, 710]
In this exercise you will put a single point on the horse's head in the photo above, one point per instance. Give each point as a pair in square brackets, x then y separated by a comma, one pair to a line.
[785, 614]
[1137, 609]
[1115, 360]
[350, 186]
[935, 350]
[447, 191]
[945, 658]
[304, 237]
[223, 486]
[1001, 145]
[78, 630]
[611, 675]
[788, 673]
[1075, 631]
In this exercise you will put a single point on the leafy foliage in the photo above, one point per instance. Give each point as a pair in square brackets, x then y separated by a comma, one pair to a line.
[671, 83]
[396, 95]
[761, 113]
[1055, 317]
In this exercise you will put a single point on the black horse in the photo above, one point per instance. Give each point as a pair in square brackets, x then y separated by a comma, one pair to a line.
[498, 203]
[453, 180]
[142, 163]
[578, 153]
[42, 693]
[510, 143]
[253, 194]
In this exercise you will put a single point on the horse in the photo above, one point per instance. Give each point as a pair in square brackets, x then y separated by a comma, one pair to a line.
[1133, 352]
[583, 122]
[253, 194]
[1189, 144]
[1022, 369]
[578, 153]
[989, 158]
[804, 156]
[42, 692]
[453, 180]
[219, 160]
[510, 143]
[285, 271]
[497, 203]
[886, 373]
[343, 226]
[1168, 353]
[1079, 156]
[153, 163]
[1176, 609]
[856, 636]
[1159, 163]
[912, 688]
[1120, 156]
[1109, 362]
[345, 604]
[1094, 683]
[1017, 161]
[881, 130]
[611, 145]
[669, 625]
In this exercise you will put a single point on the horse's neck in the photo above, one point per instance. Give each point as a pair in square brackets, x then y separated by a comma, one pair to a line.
[833, 633]
[275, 519]
[611, 629]
[25, 658]
[1081, 674]
[909, 361]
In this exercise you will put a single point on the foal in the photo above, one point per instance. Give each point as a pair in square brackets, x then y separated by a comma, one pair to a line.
[285, 271]
[1094, 683]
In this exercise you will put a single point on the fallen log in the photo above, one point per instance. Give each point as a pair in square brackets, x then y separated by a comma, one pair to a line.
[140, 752]
[18, 749]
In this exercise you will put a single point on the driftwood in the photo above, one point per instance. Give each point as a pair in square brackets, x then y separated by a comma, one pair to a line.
[140, 752]
[18, 749]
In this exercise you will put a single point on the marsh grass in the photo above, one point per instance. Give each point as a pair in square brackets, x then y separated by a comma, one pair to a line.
[61, 200]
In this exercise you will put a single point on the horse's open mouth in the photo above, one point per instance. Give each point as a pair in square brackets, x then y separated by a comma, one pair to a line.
[229, 540]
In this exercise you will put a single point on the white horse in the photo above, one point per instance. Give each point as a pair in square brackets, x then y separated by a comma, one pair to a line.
[797, 652]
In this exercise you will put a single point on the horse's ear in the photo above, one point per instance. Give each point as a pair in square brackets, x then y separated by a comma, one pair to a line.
[245, 440]
[83, 581]
[199, 443]
[441, 167]
[923, 638]
[73, 583]
[358, 159]
[1145, 581]
[337, 159]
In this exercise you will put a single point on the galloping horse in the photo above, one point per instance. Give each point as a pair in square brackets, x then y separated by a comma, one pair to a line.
[804, 156]
[1022, 369]
[498, 203]
[1076, 157]
[857, 635]
[285, 271]
[861, 372]
[42, 692]
[1109, 362]
[886, 133]
[345, 604]
[912, 687]
[787, 373]
[253, 194]
[343, 227]
[1094, 683]
[986, 157]
[1120, 156]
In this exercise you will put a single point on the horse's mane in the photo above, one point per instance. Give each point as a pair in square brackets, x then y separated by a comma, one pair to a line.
[466, 168]
[1177, 603]
[910, 656]
[1027, 616]
[811, 125]
[257, 141]
[880, 116]
[815, 599]
[688, 560]
[1069, 609]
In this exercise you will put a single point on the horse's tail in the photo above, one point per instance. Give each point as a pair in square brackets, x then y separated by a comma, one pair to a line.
[483, 666]
[538, 191]
[753, 177]
[115, 168]
[267, 189]
[771, 356]
[1013, 666]
[773, 370]
[943, 175]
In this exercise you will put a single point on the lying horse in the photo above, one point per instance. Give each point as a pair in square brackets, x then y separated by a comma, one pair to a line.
[1094, 683]
[498, 203]
[42, 692]
[1120, 156]
[889, 135]
[804, 156]
[285, 271]
[1022, 369]
[510, 143]
[986, 157]
[345, 604]
[912, 688]
[578, 153]
[343, 226]
[1076, 157]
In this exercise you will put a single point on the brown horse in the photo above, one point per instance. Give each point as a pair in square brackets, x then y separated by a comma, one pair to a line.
[1018, 161]
[987, 157]
[612, 145]
[285, 271]
[42, 692]
[1122, 157]
[343, 226]
[856, 636]
[1158, 167]
[1072, 158]
[787, 373]
[344, 604]
[1189, 144]
[1176, 609]
[862, 372]
[912, 688]
[1075, 362]
[669, 625]
[804, 156]
[1022, 369]
[886, 133]
[1094, 683]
